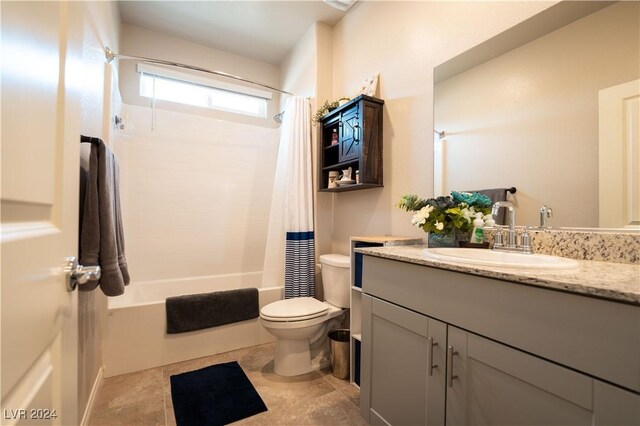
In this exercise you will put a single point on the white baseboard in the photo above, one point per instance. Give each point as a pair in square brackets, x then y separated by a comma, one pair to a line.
[92, 398]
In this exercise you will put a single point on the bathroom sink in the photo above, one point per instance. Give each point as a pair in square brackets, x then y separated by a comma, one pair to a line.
[480, 257]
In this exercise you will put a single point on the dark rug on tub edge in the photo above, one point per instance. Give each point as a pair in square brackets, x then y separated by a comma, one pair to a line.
[216, 395]
[199, 311]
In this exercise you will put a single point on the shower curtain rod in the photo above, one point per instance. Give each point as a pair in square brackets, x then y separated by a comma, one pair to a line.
[110, 56]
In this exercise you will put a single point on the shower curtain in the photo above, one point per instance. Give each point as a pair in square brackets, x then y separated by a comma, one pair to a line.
[290, 252]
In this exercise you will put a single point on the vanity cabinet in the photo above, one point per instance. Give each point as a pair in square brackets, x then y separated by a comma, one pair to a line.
[351, 136]
[443, 347]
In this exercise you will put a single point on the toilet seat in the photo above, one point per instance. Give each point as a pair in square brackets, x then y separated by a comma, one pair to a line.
[296, 309]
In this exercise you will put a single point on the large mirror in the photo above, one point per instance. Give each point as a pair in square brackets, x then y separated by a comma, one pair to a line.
[551, 107]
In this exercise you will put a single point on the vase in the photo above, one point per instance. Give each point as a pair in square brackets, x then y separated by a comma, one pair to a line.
[447, 240]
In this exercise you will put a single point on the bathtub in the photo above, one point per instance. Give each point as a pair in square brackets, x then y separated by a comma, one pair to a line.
[134, 330]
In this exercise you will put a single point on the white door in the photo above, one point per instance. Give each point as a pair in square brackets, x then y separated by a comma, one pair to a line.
[40, 165]
[619, 156]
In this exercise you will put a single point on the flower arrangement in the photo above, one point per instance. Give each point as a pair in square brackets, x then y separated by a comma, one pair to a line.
[445, 215]
[328, 106]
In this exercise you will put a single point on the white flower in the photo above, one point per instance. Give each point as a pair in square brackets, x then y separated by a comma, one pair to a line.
[468, 213]
[421, 216]
[439, 226]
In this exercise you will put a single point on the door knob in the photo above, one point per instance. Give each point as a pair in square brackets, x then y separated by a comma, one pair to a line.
[78, 274]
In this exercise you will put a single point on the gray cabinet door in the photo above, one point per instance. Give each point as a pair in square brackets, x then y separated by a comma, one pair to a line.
[615, 406]
[492, 383]
[398, 387]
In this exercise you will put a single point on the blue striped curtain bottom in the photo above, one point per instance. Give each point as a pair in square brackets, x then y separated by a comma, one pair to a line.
[299, 271]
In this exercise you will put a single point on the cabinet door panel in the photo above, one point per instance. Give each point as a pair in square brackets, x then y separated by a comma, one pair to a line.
[398, 364]
[566, 384]
[615, 406]
[482, 392]
[398, 387]
[350, 135]
[370, 146]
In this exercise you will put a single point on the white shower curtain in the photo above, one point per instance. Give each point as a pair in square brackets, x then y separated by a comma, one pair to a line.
[290, 252]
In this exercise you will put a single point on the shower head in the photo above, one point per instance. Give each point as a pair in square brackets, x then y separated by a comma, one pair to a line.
[109, 55]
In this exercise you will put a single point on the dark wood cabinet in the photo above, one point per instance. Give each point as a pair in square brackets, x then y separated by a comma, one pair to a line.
[351, 136]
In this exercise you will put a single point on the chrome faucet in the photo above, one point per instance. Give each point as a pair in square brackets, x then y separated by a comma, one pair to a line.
[545, 213]
[511, 243]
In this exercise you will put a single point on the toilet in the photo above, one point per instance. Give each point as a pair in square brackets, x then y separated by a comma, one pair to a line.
[301, 324]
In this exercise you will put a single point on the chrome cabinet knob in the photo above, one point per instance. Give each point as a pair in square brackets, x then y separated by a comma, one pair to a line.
[79, 274]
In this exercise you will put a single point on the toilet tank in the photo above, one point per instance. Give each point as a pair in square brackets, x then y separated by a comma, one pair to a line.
[336, 279]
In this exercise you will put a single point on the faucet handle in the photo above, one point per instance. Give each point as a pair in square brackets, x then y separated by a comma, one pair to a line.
[511, 238]
[525, 240]
[545, 213]
[497, 237]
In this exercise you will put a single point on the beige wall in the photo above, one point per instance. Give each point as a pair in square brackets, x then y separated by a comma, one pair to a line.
[99, 100]
[403, 41]
[140, 42]
[324, 85]
[307, 71]
[529, 118]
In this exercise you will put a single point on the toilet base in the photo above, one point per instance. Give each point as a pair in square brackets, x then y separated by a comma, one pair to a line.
[292, 357]
[303, 346]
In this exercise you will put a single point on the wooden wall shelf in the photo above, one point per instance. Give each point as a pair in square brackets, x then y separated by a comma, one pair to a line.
[358, 125]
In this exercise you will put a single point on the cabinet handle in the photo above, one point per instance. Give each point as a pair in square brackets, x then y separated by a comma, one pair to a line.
[356, 134]
[430, 360]
[450, 376]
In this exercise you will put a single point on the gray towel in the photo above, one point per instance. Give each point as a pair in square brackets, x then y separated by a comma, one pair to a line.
[101, 234]
[495, 194]
[198, 311]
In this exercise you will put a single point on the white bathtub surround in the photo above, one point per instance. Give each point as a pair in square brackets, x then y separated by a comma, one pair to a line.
[134, 333]
[196, 194]
[291, 221]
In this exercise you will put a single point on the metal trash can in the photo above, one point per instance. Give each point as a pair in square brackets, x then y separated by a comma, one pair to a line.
[340, 352]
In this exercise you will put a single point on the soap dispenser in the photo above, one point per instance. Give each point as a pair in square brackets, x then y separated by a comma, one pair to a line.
[477, 235]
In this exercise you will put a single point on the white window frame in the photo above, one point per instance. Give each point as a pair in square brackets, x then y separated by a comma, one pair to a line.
[212, 89]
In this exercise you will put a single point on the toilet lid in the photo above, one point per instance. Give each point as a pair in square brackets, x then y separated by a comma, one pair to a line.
[338, 260]
[299, 308]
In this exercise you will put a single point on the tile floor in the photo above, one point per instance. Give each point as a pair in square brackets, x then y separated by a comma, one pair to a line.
[317, 398]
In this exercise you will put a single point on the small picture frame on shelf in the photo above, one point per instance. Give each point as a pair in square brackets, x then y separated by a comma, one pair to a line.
[369, 86]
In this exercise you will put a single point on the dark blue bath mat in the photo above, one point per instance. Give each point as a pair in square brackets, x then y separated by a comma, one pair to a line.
[215, 395]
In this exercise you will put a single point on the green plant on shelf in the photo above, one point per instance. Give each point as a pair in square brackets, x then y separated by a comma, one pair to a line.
[327, 107]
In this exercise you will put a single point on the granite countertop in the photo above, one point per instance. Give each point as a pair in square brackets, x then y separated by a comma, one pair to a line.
[607, 280]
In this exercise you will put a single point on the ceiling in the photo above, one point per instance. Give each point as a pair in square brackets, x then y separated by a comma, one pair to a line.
[262, 30]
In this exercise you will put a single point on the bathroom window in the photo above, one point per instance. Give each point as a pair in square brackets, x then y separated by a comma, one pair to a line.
[174, 86]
